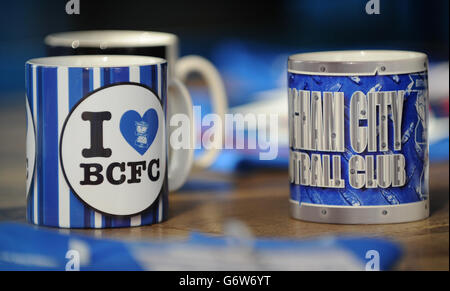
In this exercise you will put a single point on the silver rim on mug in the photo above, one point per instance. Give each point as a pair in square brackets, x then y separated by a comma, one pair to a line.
[360, 63]
[360, 214]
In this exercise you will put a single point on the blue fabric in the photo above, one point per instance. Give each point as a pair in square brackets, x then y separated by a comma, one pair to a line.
[26, 247]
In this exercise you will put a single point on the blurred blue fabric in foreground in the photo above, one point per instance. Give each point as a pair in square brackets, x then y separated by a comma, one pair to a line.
[26, 247]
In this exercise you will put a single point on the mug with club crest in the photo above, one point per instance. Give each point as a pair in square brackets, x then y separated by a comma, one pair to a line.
[148, 43]
[97, 141]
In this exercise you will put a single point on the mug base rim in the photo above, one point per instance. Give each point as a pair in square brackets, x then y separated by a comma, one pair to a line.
[382, 214]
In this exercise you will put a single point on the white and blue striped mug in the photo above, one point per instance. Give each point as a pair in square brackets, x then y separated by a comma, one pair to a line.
[97, 146]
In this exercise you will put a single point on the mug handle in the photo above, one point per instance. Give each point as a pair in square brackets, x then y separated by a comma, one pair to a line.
[188, 64]
[180, 160]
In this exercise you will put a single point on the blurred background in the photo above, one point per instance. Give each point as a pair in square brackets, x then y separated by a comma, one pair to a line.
[248, 41]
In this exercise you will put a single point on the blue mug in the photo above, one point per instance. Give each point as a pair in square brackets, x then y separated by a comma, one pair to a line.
[358, 136]
[97, 150]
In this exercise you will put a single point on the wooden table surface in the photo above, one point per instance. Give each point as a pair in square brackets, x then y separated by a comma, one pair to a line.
[258, 199]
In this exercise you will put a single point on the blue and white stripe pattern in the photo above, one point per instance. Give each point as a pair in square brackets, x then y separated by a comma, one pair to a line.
[52, 92]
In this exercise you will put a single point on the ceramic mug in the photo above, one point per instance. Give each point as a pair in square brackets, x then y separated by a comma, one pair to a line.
[97, 141]
[147, 43]
[358, 136]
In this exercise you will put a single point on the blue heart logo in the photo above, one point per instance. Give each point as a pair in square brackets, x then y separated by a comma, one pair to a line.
[139, 132]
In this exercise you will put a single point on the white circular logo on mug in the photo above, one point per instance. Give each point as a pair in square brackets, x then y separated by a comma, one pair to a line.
[112, 149]
[31, 147]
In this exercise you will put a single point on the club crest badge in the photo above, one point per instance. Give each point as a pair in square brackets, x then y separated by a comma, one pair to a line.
[141, 134]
